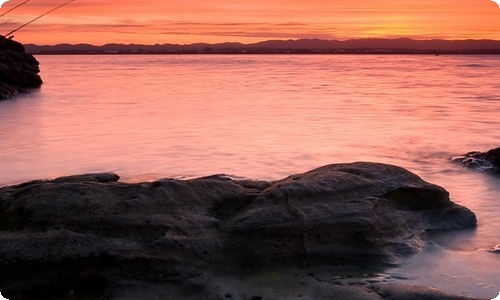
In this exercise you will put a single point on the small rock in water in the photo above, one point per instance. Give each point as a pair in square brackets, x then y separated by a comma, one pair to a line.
[486, 161]
[495, 248]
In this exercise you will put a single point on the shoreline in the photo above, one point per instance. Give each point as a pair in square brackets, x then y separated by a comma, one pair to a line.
[281, 284]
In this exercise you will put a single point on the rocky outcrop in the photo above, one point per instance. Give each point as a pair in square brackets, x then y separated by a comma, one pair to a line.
[18, 69]
[488, 161]
[90, 232]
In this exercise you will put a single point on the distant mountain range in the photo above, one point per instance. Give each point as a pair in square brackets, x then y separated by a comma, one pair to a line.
[377, 45]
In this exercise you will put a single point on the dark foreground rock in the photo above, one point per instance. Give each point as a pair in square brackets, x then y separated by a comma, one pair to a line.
[90, 236]
[18, 69]
[488, 161]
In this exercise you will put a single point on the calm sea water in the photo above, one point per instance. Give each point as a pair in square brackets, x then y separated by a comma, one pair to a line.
[266, 117]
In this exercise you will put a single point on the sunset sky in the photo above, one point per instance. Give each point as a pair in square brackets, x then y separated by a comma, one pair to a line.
[189, 21]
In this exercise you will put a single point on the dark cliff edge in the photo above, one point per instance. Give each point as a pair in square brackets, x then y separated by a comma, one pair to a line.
[92, 237]
[18, 69]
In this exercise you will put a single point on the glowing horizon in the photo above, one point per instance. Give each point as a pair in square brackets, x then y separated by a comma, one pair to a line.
[189, 21]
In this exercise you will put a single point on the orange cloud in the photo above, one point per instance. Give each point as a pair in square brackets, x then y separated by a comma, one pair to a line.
[189, 21]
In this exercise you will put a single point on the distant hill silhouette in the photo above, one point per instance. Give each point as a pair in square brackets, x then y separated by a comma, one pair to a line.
[400, 45]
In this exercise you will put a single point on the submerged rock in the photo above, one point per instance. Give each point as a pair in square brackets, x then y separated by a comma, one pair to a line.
[91, 232]
[489, 161]
[18, 69]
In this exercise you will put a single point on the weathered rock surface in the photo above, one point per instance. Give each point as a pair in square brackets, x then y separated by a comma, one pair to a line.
[18, 69]
[488, 161]
[90, 232]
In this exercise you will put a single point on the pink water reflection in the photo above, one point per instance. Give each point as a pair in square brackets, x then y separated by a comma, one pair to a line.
[264, 117]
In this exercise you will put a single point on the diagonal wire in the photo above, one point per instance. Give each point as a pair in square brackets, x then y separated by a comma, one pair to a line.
[14, 8]
[8, 34]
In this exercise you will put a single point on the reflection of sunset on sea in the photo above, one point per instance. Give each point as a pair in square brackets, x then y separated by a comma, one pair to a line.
[356, 144]
[133, 21]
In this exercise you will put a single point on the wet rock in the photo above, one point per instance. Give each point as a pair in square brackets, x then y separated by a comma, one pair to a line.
[493, 156]
[18, 69]
[91, 230]
[407, 292]
[489, 161]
